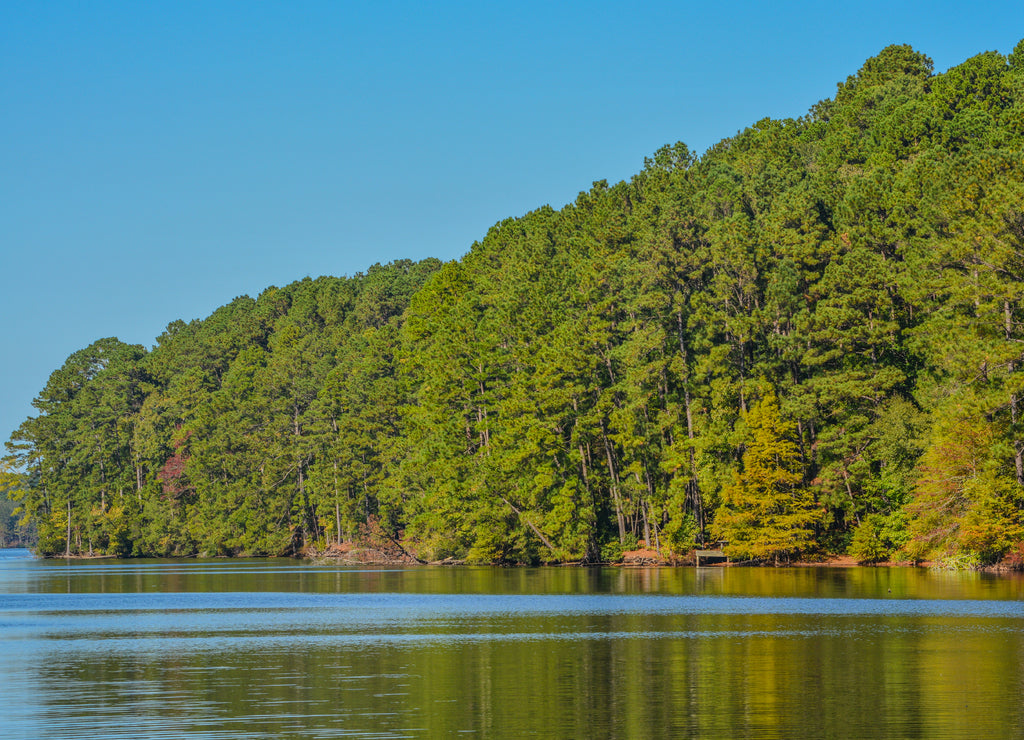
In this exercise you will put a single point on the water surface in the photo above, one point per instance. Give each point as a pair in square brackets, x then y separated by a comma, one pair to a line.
[285, 649]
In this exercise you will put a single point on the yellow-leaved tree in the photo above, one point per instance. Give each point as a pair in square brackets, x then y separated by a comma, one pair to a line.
[767, 513]
[967, 509]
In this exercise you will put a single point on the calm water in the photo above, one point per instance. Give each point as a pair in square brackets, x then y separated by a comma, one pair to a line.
[283, 649]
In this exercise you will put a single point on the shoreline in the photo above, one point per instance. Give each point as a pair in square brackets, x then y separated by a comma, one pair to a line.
[352, 555]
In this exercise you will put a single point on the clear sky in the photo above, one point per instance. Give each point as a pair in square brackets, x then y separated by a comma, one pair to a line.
[158, 159]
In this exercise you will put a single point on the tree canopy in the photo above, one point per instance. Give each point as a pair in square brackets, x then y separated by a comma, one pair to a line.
[808, 340]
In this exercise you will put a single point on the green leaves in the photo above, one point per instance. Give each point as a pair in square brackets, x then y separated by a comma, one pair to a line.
[769, 339]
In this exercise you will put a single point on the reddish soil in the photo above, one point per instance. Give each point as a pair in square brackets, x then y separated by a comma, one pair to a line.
[834, 561]
[644, 556]
[347, 552]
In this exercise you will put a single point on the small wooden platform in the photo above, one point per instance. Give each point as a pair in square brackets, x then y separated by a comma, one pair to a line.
[710, 557]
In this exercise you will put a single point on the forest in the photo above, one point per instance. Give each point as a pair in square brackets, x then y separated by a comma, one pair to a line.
[12, 533]
[807, 341]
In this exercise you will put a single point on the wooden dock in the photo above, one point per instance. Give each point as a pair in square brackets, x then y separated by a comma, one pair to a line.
[710, 557]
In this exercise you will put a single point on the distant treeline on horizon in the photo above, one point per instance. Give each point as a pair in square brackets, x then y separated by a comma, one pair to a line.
[809, 340]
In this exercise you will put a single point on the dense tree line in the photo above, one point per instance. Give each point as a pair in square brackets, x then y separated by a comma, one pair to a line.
[809, 339]
[14, 530]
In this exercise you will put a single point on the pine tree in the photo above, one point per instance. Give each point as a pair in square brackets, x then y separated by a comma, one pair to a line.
[767, 513]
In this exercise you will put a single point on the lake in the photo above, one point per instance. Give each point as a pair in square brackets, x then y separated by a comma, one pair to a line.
[291, 649]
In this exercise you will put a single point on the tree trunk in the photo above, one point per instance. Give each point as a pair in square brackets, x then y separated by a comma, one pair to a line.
[337, 505]
[528, 523]
[614, 482]
[1018, 443]
[692, 485]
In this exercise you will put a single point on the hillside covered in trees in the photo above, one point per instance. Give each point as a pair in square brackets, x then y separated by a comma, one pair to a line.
[808, 340]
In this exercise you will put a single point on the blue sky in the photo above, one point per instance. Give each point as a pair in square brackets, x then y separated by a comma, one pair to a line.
[158, 159]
